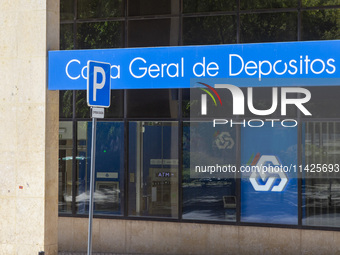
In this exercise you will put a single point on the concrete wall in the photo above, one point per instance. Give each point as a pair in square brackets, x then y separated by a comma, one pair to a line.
[28, 129]
[127, 236]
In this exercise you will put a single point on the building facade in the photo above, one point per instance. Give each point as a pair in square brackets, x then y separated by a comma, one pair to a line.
[153, 139]
[148, 197]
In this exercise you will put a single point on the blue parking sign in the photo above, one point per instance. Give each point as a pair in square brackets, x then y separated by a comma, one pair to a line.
[98, 84]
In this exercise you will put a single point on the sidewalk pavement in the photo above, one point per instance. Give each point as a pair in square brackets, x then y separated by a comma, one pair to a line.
[100, 253]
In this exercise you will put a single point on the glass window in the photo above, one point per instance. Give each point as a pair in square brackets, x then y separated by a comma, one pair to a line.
[156, 103]
[65, 166]
[153, 169]
[323, 99]
[321, 182]
[311, 3]
[152, 153]
[82, 109]
[66, 37]
[99, 8]
[66, 10]
[153, 7]
[109, 167]
[320, 24]
[269, 190]
[209, 30]
[267, 4]
[98, 35]
[153, 32]
[209, 191]
[65, 103]
[187, 104]
[268, 27]
[193, 6]
[115, 110]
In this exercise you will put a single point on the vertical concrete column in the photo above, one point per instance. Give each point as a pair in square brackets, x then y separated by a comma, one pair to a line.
[28, 129]
[51, 139]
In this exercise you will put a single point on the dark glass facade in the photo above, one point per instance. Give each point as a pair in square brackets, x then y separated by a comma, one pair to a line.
[147, 141]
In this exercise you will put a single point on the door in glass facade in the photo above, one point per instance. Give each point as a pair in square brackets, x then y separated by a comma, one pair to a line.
[153, 168]
[209, 172]
[269, 184]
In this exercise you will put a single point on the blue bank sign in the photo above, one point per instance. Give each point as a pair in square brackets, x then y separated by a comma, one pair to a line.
[313, 63]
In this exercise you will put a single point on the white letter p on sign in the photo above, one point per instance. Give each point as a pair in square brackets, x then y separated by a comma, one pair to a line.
[96, 85]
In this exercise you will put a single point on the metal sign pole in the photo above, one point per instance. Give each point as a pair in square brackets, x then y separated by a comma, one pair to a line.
[98, 95]
[93, 154]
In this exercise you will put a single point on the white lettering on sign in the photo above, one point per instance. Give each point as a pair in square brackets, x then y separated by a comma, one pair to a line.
[96, 85]
[66, 69]
[211, 68]
[265, 67]
[115, 70]
[138, 68]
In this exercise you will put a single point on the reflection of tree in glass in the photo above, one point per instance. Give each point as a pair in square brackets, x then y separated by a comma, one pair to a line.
[66, 10]
[209, 30]
[66, 103]
[321, 24]
[82, 109]
[99, 8]
[208, 6]
[66, 37]
[310, 3]
[268, 27]
[267, 4]
[108, 34]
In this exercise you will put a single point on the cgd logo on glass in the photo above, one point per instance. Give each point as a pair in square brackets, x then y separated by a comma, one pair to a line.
[238, 98]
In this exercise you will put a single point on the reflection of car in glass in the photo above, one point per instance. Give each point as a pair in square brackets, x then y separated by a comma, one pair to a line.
[77, 158]
[205, 181]
[103, 196]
